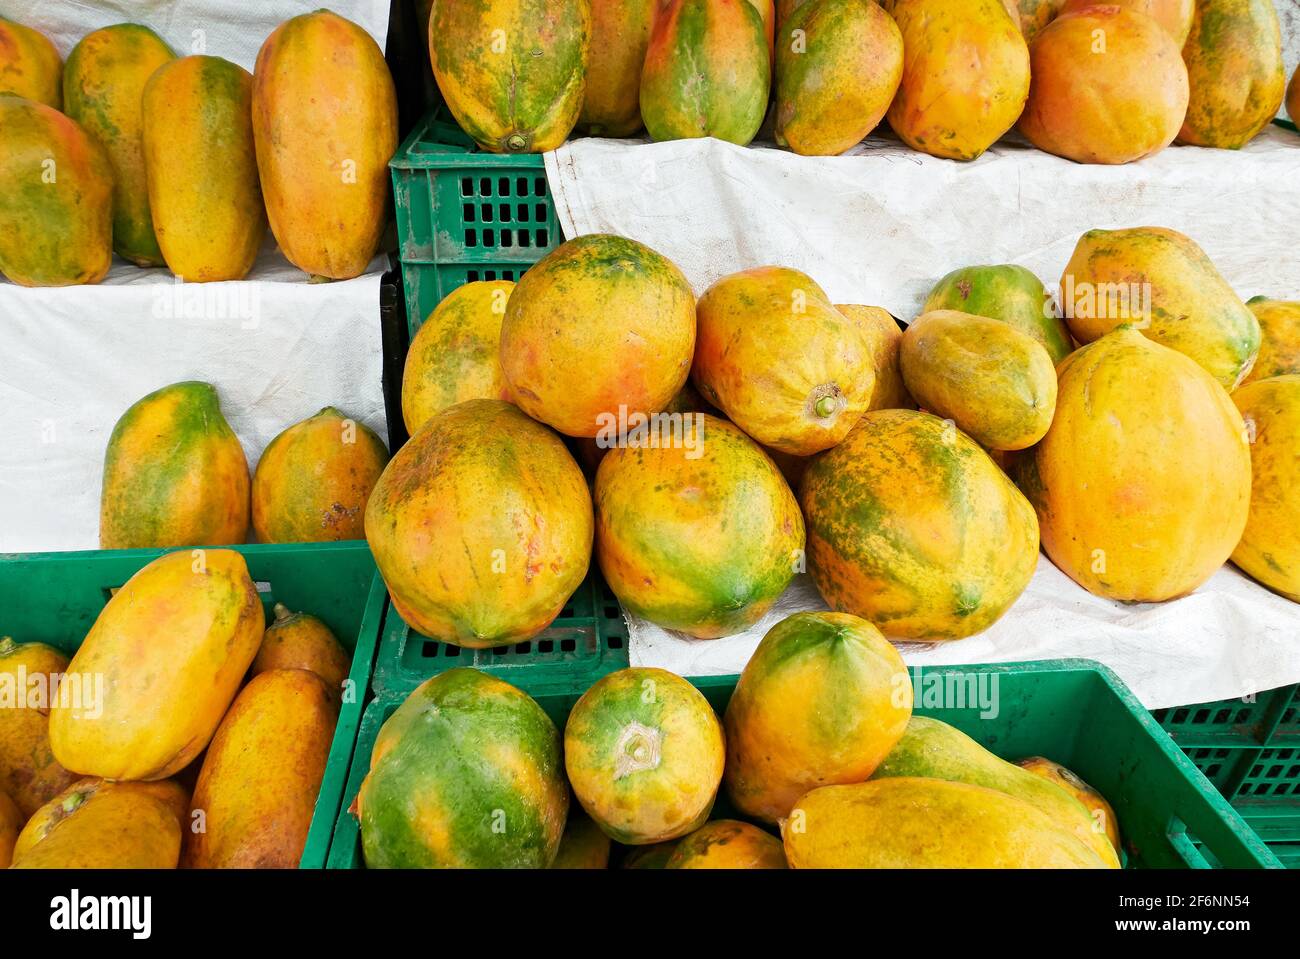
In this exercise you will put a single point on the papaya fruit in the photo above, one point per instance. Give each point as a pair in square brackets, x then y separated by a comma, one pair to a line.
[96, 824]
[1142, 484]
[912, 527]
[174, 474]
[601, 327]
[1161, 282]
[1008, 293]
[707, 71]
[56, 208]
[728, 844]
[1269, 549]
[644, 753]
[835, 82]
[1279, 338]
[103, 90]
[1234, 67]
[314, 480]
[467, 773]
[1293, 97]
[481, 526]
[324, 128]
[916, 823]
[965, 76]
[167, 655]
[620, 33]
[201, 168]
[30, 67]
[1034, 15]
[29, 676]
[767, 14]
[11, 824]
[1103, 816]
[512, 72]
[784, 365]
[1104, 101]
[301, 641]
[261, 775]
[455, 355]
[996, 383]
[823, 700]
[883, 338]
[932, 749]
[786, 8]
[654, 856]
[697, 533]
[583, 845]
[1175, 16]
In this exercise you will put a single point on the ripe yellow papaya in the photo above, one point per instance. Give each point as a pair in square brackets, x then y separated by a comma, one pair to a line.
[728, 844]
[29, 676]
[324, 126]
[30, 67]
[1293, 97]
[201, 168]
[1008, 293]
[883, 338]
[301, 641]
[620, 33]
[1279, 338]
[583, 845]
[159, 667]
[11, 824]
[1100, 810]
[1175, 16]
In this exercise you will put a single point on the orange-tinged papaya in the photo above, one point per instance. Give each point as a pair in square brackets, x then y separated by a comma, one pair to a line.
[512, 72]
[11, 824]
[314, 479]
[159, 667]
[1293, 97]
[56, 205]
[174, 474]
[696, 530]
[1279, 338]
[1142, 484]
[654, 856]
[583, 845]
[728, 844]
[1111, 102]
[707, 71]
[965, 76]
[261, 775]
[103, 90]
[97, 824]
[455, 355]
[883, 338]
[324, 128]
[1163, 283]
[767, 13]
[601, 329]
[481, 526]
[784, 365]
[823, 700]
[620, 33]
[29, 677]
[301, 641]
[838, 67]
[201, 168]
[1269, 549]
[1103, 816]
[1175, 16]
[30, 67]
[1008, 293]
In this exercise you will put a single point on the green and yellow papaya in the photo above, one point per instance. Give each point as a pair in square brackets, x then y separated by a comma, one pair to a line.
[1279, 338]
[620, 33]
[1008, 293]
[30, 67]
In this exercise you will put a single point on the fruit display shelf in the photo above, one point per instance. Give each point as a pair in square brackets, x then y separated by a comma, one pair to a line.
[1169, 814]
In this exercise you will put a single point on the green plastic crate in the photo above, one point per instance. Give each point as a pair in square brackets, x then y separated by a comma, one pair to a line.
[587, 640]
[1073, 711]
[55, 598]
[465, 215]
[1250, 751]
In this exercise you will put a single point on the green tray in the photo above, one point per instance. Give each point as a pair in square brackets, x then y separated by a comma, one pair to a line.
[587, 640]
[1073, 711]
[54, 598]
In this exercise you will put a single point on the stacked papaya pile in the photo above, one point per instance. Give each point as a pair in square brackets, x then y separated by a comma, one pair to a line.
[1093, 82]
[818, 741]
[185, 730]
[181, 162]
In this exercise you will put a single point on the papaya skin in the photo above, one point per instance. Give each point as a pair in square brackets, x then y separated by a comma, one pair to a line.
[654, 856]
[915, 823]
[1293, 97]
[60, 233]
[620, 33]
[324, 128]
[526, 97]
[1100, 810]
[261, 775]
[1008, 293]
[728, 844]
[1174, 16]
[823, 700]
[103, 88]
[834, 88]
[314, 480]
[455, 355]
[1279, 343]
[1234, 65]
[174, 474]
[996, 383]
[11, 823]
[29, 774]
[1034, 15]
[96, 824]
[172, 647]
[583, 845]
[201, 168]
[30, 67]
[301, 641]
[1269, 550]
[883, 338]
